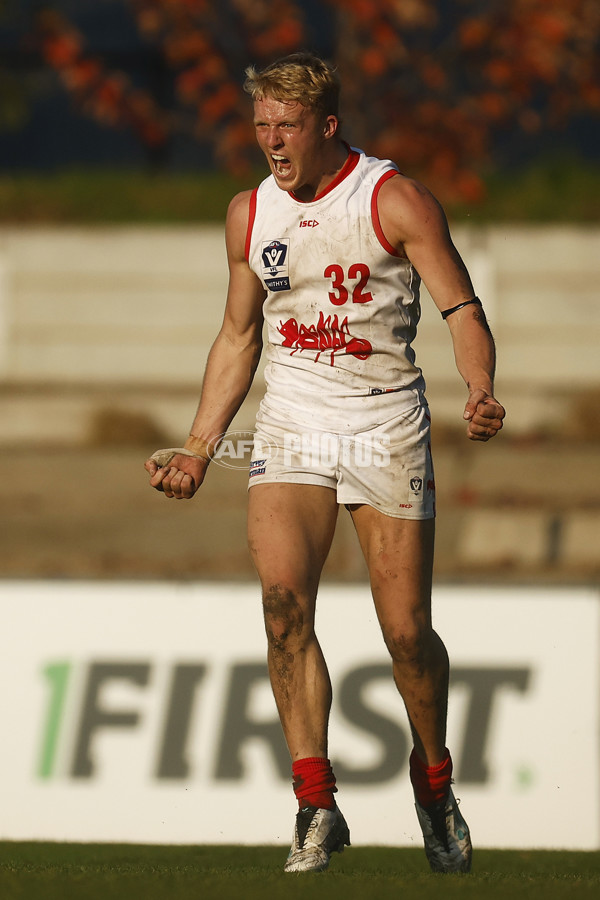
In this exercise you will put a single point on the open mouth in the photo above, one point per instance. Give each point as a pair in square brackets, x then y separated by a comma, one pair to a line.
[281, 164]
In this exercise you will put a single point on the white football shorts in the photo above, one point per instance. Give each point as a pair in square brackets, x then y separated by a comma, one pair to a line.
[373, 449]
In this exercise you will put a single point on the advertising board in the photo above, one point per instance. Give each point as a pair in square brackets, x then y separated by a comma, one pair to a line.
[143, 713]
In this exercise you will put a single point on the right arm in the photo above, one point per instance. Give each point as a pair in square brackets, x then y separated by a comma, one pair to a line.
[230, 368]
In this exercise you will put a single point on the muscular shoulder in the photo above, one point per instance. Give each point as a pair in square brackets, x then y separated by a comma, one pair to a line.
[236, 225]
[408, 211]
[239, 210]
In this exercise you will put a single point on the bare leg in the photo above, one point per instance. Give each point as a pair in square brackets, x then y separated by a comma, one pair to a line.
[399, 555]
[290, 529]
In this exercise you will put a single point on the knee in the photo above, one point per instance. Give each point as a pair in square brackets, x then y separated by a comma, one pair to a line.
[408, 643]
[285, 619]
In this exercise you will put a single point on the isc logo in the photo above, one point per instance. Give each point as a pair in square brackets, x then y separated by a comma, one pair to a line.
[308, 223]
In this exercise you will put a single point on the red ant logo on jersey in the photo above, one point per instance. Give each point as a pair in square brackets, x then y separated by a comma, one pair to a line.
[327, 336]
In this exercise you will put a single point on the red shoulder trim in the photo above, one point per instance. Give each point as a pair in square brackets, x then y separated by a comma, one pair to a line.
[375, 212]
[251, 218]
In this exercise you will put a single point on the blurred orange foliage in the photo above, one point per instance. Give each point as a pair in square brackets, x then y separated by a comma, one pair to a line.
[429, 85]
[459, 75]
[107, 96]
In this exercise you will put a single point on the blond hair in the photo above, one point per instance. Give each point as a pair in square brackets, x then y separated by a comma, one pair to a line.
[301, 77]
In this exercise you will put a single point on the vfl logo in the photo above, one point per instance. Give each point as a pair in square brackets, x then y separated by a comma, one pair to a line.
[275, 264]
[416, 484]
[328, 335]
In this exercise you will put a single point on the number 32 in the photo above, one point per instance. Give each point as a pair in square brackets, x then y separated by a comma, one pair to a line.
[340, 293]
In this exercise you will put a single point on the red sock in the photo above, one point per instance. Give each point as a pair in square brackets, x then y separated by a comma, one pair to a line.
[314, 782]
[431, 783]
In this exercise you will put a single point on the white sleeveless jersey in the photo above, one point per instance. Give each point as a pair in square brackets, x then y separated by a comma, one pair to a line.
[342, 306]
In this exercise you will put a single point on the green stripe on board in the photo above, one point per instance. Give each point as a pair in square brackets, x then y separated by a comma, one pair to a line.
[58, 676]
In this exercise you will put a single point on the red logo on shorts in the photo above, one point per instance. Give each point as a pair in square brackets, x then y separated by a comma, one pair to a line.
[328, 335]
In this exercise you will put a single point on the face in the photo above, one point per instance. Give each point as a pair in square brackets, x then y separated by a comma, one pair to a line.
[295, 141]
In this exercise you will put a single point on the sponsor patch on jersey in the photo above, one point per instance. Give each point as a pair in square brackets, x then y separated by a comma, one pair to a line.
[374, 391]
[276, 263]
[258, 467]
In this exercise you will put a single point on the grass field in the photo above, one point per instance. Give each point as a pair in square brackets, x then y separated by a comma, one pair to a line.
[554, 189]
[29, 871]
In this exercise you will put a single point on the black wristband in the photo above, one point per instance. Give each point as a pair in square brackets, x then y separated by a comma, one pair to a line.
[448, 312]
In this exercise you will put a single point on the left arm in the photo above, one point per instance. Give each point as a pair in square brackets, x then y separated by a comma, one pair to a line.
[414, 222]
[475, 356]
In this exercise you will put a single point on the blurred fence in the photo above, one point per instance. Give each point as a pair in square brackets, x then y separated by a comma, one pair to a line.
[126, 316]
[104, 334]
